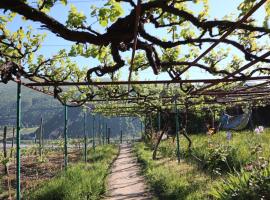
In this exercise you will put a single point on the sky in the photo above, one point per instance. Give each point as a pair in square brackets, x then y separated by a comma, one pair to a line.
[52, 43]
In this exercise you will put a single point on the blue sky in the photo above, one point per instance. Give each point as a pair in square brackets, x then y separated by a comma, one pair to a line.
[52, 43]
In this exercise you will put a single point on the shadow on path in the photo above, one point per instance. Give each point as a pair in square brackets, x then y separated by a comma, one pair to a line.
[125, 181]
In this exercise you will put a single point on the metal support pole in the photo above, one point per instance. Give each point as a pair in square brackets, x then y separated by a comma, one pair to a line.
[94, 144]
[85, 137]
[141, 128]
[158, 121]
[65, 138]
[121, 136]
[177, 132]
[99, 130]
[103, 132]
[106, 133]
[109, 135]
[145, 125]
[18, 143]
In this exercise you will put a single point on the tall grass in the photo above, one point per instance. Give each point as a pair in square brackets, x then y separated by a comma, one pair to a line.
[246, 157]
[217, 154]
[80, 181]
[169, 180]
[250, 185]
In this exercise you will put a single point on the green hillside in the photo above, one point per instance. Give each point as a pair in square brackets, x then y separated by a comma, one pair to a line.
[36, 105]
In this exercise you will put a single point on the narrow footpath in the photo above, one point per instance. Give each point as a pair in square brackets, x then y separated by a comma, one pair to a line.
[125, 182]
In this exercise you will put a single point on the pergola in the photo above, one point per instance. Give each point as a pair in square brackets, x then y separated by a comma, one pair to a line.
[234, 88]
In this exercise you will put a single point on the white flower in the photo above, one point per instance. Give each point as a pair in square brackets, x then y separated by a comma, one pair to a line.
[257, 131]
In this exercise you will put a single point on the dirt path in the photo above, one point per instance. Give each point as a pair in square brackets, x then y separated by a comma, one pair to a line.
[124, 182]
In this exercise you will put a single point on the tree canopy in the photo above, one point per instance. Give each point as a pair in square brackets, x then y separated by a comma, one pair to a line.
[167, 35]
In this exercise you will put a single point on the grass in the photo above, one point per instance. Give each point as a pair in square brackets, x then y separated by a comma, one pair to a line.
[171, 181]
[80, 181]
[250, 185]
[227, 170]
[219, 155]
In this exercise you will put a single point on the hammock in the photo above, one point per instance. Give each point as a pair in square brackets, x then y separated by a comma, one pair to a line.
[238, 122]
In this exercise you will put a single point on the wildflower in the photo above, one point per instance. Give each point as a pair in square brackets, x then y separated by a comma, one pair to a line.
[248, 167]
[261, 129]
[257, 131]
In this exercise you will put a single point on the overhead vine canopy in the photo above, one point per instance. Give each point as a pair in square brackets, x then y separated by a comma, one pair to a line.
[167, 36]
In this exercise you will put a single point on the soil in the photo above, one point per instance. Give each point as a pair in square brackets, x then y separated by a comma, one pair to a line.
[34, 172]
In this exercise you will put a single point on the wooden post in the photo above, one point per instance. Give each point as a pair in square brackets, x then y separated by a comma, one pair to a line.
[5, 148]
[40, 137]
[12, 142]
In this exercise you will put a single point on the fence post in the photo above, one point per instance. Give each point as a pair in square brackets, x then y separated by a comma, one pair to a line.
[12, 142]
[40, 137]
[5, 147]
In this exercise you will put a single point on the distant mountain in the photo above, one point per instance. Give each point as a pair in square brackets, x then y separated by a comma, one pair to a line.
[36, 105]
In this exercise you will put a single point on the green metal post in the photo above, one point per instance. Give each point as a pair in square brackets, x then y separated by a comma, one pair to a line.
[145, 125]
[85, 137]
[99, 130]
[65, 139]
[106, 133]
[177, 132]
[121, 136]
[103, 133]
[158, 121]
[141, 127]
[18, 143]
[94, 144]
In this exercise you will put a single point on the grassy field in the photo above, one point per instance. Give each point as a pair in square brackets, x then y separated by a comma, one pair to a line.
[215, 168]
[80, 181]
